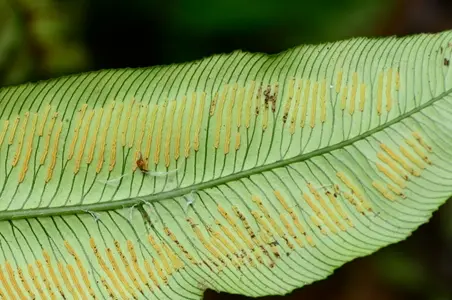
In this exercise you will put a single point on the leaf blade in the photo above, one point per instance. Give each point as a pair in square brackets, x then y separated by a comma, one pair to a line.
[320, 175]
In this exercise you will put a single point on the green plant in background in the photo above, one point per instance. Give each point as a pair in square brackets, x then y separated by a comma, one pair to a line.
[245, 173]
[218, 26]
[40, 39]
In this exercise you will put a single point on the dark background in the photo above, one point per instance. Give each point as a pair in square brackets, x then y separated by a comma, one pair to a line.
[40, 39]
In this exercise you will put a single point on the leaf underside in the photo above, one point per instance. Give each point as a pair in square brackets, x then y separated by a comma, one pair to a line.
[244, 173]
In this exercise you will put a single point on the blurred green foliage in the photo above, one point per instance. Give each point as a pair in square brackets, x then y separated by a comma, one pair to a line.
[40, 39]
[47, 38]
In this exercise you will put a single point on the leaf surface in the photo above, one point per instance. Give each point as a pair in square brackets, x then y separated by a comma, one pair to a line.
[245, 173]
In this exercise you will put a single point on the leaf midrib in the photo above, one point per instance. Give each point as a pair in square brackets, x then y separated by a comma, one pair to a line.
[98, 207]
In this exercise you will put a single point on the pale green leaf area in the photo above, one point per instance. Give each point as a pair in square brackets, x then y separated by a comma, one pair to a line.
[244, 172]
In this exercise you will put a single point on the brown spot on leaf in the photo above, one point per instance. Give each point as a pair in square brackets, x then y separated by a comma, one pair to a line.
[141, 164]
[275, 96]
[271, 97]
[284, 118]
[267, 96]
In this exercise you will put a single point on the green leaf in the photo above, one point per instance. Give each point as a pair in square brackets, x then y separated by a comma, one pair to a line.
[244, 173]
